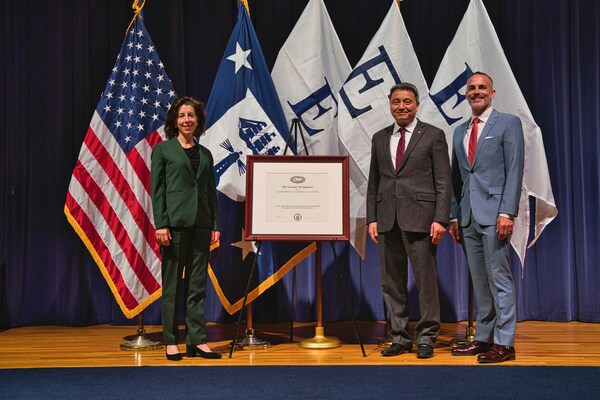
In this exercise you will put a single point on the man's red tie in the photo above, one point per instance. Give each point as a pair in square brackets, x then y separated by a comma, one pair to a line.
[400, 149]
[473, 140]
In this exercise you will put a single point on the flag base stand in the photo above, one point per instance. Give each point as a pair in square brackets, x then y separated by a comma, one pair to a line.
[140, 342]
[320, 341]
[250, 342]
[385, 342]
[470, 336]
[470, 331]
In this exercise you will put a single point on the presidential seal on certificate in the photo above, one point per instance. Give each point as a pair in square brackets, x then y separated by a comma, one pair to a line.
[297, 198]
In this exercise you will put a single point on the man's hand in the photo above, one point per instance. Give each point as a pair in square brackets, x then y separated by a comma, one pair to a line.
[504, 227]
[454, 232]
[373, 231]
[437, 232]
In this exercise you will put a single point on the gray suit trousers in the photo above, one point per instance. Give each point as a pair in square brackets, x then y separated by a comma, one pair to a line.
[493, 284]
[396, 247]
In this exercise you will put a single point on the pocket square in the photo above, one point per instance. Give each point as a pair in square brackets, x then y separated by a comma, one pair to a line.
[489, 137]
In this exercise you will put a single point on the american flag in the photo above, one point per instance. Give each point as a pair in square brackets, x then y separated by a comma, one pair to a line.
[109, 203]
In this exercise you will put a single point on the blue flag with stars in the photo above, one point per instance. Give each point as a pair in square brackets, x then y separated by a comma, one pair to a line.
[244, 116]
[243, 113]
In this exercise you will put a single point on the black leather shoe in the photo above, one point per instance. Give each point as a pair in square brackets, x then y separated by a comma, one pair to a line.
[424, 351]
[395, 349]
[173, 357]
[473, 348]
[498, 354]
[191, 351]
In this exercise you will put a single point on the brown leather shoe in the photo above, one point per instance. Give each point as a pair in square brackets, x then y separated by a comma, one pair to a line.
[497, 354]
[473, 348]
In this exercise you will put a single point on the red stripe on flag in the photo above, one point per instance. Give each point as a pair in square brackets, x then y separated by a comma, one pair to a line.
[135, 260]
[114, 173]
[135, 157]
[153, 139]
[140, 168]
[103, 252]
[108, 177]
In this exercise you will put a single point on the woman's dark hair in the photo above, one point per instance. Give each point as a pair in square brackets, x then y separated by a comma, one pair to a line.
[171, 122]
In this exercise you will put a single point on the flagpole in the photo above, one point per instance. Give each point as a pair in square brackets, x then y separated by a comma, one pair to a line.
[91, 200]
[140, 342]
[250, 341]
[470, 329]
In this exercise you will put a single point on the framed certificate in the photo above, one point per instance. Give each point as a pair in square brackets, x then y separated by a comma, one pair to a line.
[297, 198]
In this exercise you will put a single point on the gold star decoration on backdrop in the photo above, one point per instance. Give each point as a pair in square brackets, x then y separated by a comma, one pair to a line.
[246, 246]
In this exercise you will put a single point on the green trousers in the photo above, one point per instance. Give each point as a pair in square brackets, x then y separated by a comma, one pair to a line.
[188, 250]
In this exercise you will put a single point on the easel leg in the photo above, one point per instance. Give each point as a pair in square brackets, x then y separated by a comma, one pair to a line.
[237, 330]
[339, 270]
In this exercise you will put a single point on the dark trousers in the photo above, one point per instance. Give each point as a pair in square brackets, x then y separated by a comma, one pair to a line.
[189, 249]
[396, 247]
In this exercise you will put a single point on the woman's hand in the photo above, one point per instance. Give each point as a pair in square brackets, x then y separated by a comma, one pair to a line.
[214, 236]
[163, 236]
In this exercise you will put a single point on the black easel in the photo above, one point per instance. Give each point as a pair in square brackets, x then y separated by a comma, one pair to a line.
[345, 290]
[294, 129]
[239, 321]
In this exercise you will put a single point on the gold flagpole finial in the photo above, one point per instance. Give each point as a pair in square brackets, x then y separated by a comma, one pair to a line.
[245, 3]
[138, 12]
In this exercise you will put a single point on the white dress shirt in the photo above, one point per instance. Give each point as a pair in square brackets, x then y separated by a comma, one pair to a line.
[395, 138]
[480, 125]
[482, 120]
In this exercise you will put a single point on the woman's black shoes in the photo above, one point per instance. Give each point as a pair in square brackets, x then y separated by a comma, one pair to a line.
[173, 357]
[191, 351]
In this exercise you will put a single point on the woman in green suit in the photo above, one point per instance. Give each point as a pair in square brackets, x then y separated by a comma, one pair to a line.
[184, 201]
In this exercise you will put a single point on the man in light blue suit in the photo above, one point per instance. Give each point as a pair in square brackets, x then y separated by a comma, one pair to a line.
[487, 173]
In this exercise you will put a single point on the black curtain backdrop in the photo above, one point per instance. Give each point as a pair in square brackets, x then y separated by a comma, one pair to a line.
[55, 59]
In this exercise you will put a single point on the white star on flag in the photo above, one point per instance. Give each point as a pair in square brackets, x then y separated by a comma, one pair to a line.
[243, 117]
[240, 58]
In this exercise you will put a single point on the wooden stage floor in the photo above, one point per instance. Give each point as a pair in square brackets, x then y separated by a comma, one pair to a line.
[537, 344]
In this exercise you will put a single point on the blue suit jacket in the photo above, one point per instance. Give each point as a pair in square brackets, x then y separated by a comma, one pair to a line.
[492, 185]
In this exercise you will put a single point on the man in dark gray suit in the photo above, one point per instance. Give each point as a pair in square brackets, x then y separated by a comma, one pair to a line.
[408, 209]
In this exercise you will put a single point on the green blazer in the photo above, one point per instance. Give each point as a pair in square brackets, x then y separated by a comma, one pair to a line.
[182, 197]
